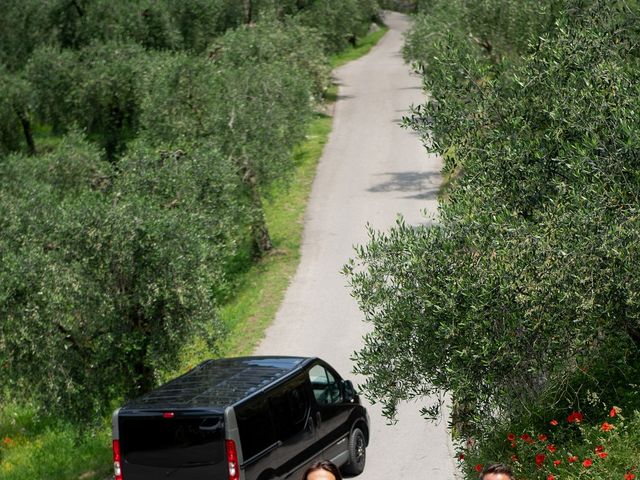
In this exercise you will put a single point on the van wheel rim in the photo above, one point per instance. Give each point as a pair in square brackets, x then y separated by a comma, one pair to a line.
[360, 449]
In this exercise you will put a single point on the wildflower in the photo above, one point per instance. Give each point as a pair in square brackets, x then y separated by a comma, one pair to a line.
[7, 441]
[572, 459]
[629, 476]
[551, 447]
[554, 422]
[539, 459]
[614, 411]
[514, 458]
[461, 457]
[542, 437]
[513, 444]
[478, 467]
[557, 462]
[599, 448]
[603, 454]
[527, 438]
[587, 463]
[551, 477]
[575, 417]
[511, 437]
[607, 427]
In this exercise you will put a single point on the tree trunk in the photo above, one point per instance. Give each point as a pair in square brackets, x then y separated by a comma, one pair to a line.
[261, 238]
[248, 11]
[28, 132]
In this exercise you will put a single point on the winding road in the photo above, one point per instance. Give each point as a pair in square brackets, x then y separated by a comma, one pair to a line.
[370, 171]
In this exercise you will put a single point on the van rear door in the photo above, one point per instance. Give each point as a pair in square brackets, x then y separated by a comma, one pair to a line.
[180, 445]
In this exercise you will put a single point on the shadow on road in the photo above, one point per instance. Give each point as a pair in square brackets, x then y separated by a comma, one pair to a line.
[420, 185]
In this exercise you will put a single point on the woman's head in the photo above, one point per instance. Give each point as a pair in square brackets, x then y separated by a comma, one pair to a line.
[324, 470]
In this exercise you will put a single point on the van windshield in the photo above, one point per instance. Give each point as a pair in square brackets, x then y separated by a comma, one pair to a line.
[179, 442]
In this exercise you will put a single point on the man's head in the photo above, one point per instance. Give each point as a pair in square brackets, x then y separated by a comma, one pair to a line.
[497, 471]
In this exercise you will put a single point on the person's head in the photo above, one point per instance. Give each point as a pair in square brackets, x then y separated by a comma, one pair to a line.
[324, 470]
[496, 471]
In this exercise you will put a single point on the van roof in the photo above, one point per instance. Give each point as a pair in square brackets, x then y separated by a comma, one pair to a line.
[216, 384]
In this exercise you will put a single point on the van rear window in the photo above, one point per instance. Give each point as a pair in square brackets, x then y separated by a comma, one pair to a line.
[177, 442]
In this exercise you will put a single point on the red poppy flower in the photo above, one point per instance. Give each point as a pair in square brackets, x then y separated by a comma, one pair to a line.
[539, 459]
[603, 454]
[557, 462]
[513, 444]
[629, 476]
[511, 437]
[551, 447]
[613, 412]
[514, 458]
[575, 417]
[599, 448]
[525, 437]
[461, 457]
[542, 437]
[551, 477]
[587, 463]
[606, 427]
[554, 422]
[572, 458]
[478, 467]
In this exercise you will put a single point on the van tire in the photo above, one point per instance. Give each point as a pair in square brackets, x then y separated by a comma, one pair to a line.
[357, 453]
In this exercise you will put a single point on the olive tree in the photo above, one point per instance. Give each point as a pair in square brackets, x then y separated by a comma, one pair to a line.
[527, 276]
[106, 274]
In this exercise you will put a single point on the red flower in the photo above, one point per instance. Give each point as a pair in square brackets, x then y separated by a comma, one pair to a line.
[511, 437]
[554, 422]
[527, 438]
[575, 417]
[599, 448]
[514, 458]
[606, 427]
[542, 437]
[572, 458]
[551, 477]
[629, 476]
[461, 457]
[513, 444]
[7, 441]
[478, 467]
[603, 454]
[614, 411]
[557, 462]
[539, 459]
[587, 463]
[551, 447]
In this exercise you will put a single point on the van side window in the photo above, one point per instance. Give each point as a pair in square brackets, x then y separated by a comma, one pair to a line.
[324, 385]
[256, 429]
[289, 410]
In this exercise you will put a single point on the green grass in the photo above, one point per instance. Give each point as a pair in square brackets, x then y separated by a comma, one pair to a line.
[363, 45]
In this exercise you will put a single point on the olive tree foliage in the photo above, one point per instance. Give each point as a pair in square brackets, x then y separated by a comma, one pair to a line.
[97, 88]
[15, 114]
[250, 100]
[339, 21]
[529, 274]
[104, 275]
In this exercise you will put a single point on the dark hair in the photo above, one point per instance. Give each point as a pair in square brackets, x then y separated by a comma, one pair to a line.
[325, 465]
[497, 468]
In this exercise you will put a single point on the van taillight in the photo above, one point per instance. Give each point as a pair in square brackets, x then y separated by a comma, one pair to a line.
[232, 460]
[117, 466]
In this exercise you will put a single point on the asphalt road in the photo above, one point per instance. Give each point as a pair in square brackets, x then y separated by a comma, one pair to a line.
[371, 170]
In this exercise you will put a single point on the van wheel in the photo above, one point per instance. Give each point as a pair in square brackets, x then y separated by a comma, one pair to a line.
[357, 453]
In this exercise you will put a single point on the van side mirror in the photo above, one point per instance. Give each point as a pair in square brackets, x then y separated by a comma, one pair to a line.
[349, 391]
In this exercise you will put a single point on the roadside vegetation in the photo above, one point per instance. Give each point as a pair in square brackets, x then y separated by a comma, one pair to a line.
[157, 158]
[522, 301]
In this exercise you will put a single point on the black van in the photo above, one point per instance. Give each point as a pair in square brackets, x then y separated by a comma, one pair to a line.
[247, 418]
